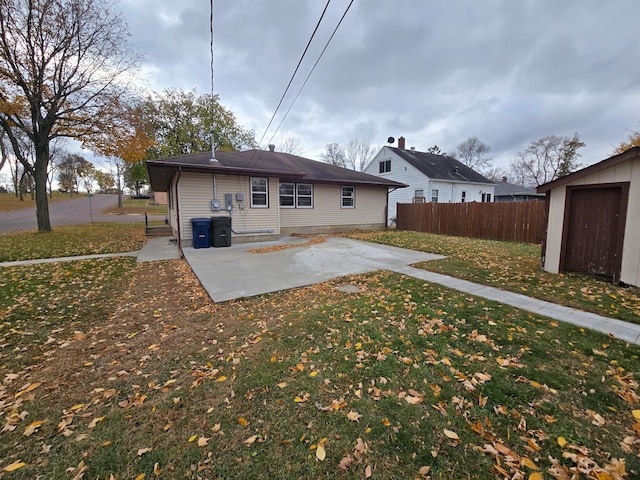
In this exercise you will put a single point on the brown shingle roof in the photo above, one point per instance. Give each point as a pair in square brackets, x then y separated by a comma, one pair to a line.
[259, 163]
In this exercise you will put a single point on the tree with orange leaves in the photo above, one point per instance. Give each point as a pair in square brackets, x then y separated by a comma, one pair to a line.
[64, 65]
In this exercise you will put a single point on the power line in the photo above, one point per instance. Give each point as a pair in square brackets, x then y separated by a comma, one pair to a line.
[314, 67]
[295, 71]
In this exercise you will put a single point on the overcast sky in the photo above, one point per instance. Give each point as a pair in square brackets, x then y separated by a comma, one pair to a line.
[433, 71]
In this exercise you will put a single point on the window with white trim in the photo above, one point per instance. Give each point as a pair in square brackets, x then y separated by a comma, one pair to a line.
[486, 197]
[464, 196]
[348, 197]
[287, 195]
[304, 195]
[434, 195]
[384, 166]
[259, 192]
[296, 195]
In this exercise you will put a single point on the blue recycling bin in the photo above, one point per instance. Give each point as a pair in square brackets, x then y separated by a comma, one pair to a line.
[201, 232]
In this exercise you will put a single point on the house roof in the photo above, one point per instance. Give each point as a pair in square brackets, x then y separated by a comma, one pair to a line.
[259, 163]
[440, 167]
[630, 154]
[511, 189]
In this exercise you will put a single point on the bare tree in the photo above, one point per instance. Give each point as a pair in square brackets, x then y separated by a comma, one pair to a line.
[546, 159]
[291, 145]
[436, 150]
[61, 62]
[334, 155]
[496, 174]
[358, 154]
[474, 154]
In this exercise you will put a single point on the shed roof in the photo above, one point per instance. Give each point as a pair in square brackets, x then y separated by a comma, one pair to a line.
[259, 163]
[440, 167]
[630, 154]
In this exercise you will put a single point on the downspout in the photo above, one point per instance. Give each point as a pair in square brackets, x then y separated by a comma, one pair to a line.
[178, 211]
[386, 208]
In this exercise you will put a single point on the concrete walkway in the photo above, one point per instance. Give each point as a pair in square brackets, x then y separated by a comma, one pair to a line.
[628, 332]
[234, 272]
[155, 249]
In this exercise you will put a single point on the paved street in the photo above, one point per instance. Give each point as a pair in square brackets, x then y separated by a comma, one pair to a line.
[74, 211]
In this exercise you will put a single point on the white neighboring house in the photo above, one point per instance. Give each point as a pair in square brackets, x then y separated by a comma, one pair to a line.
[431, 178]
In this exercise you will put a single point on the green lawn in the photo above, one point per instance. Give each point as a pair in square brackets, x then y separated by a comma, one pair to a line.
[138, 206]
[8, 201]
[72, 240]
[515, 267]
[111, 368]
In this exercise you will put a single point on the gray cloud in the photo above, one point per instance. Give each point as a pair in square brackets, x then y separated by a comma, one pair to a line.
[506, 71]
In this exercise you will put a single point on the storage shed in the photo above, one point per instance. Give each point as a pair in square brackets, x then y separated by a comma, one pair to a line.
[593, 220]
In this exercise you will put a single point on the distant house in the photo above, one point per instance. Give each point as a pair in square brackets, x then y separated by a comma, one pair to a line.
[268, 193]
[510, 192]
[431, 178]
[593, 224]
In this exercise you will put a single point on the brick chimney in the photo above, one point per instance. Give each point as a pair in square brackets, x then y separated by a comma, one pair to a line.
[401, 144]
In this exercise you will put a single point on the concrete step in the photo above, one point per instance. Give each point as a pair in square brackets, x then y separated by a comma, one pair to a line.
[158, 231]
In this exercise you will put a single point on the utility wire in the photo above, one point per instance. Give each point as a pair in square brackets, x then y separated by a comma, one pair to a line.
[314, 67]
[295, 71]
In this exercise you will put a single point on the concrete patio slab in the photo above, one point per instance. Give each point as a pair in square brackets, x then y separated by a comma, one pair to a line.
[233, 272]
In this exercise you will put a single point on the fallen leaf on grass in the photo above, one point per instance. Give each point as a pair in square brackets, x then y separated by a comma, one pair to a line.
[32, 428]
[141, 476]
[203, 441]
[243, 421]
[354, 416]
[95, 421]
[249, 441]
[424, 471]
[636, 414]
[536, 476]
[142, 451]
[598, 421]
[14, 466]
[28, 388]
[451, 434]
[562, 441]
[321, 454]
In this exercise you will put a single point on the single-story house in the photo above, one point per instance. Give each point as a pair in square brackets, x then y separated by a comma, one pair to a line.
[593, 220]
[504, 191]
[268, 193]
[430, 177]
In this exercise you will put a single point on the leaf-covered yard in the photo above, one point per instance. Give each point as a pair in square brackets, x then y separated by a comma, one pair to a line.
[72, 240]
[515, 267]
[115, 369]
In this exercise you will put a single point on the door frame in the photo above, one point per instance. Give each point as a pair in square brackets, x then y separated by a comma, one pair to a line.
[622, 221]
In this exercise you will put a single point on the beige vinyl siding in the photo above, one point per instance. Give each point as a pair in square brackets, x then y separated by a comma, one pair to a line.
[369, 208]
[196, 194]
[624, 172]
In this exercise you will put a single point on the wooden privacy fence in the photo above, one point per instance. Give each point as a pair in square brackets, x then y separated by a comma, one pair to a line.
[509, 221]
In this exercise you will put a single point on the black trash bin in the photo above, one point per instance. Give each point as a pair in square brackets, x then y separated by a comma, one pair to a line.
[221, 231]
[201, 232]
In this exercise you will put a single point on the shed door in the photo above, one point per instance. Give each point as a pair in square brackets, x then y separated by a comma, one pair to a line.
[595, 230]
